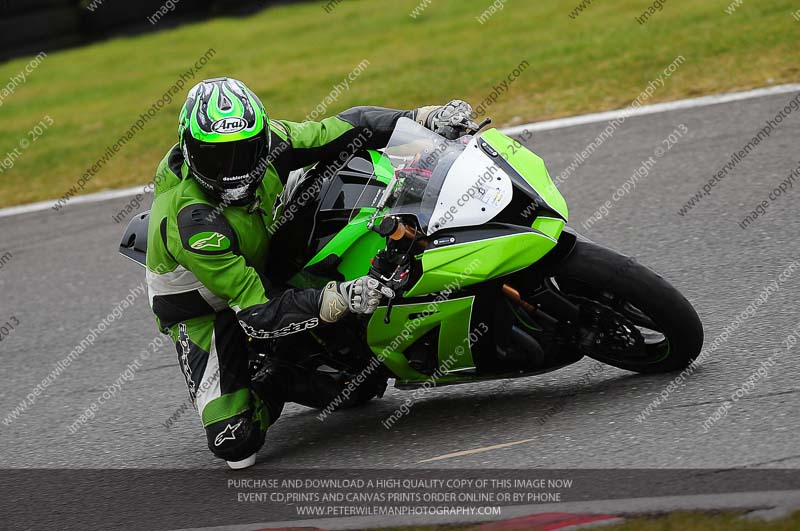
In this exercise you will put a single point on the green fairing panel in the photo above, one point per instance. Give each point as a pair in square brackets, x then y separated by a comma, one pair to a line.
[355, 244]
[550, 226]
[530, 166]
[382, 166]
[465, 264]
[389, 341]
[356, 259]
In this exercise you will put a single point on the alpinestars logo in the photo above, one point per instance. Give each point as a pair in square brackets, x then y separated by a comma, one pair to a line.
[228, 434]
[285, 331]
[186, 349]
[335, 309]
[211, 242]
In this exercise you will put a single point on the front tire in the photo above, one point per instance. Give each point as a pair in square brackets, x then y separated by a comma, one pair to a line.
[615, 292]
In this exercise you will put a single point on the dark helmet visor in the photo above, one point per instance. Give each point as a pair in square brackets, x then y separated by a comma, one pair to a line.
[227, 165]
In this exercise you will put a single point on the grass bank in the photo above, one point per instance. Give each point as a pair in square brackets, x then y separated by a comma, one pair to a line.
[536, 59]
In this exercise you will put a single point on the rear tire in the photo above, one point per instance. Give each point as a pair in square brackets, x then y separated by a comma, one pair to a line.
[601, 279]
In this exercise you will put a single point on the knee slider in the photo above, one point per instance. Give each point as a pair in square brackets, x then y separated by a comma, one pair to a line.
[235, 438]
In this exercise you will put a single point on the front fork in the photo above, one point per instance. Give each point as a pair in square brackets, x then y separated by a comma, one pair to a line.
[543, 299]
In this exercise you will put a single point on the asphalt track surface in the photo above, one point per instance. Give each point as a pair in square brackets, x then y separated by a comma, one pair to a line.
[65, 276]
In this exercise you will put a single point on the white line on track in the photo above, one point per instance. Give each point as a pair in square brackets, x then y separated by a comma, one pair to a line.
[476, 450]
[547, 125]
[96, 197]
[690, 103]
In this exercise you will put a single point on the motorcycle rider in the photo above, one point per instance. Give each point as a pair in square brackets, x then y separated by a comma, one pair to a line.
[208, 240]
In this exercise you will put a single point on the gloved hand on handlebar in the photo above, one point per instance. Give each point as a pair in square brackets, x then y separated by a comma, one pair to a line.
[362, 295]
[452, 120]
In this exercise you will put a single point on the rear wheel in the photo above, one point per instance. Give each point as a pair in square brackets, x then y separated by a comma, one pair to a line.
[629, 316]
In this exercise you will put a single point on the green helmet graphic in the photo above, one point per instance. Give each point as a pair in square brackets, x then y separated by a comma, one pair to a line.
[224, 136]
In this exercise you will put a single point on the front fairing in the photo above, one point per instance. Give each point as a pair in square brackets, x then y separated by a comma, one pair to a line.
[444, 183]
[455, 190]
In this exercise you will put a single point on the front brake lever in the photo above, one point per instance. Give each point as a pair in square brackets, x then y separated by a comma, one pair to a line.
[388, 317]
[390, 294]
[483, 124]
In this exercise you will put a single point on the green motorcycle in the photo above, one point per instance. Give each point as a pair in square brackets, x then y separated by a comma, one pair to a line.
[484, 279]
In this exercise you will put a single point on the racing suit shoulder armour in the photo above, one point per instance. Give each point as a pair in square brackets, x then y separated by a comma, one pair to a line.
[204, 230]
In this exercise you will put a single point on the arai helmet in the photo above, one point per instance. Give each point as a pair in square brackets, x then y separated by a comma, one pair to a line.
[224, 136]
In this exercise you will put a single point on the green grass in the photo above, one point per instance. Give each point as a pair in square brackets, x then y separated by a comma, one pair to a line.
[292, 55]
[679, 521]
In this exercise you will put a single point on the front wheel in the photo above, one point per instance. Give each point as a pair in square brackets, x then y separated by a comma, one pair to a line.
[630, 317]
